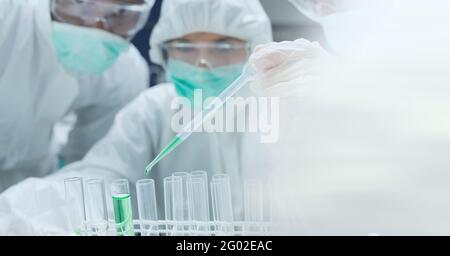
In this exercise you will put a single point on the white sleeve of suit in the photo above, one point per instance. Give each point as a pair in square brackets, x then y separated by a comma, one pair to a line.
[131, 142]
[13, 14]
[36, 206]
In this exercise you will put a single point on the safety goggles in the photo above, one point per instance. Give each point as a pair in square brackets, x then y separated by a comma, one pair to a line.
[121, 17]
[207, 54]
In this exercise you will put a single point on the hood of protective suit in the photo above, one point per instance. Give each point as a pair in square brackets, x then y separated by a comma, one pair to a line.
[347, 24]
[245, 20]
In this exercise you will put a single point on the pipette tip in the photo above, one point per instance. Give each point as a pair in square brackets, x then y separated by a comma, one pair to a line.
[149, 168]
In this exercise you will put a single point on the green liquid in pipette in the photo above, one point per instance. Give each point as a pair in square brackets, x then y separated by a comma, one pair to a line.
[123, 215]
[169, 148]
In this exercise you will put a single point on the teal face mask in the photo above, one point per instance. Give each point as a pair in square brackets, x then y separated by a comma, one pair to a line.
[86, 50]
[188, 78]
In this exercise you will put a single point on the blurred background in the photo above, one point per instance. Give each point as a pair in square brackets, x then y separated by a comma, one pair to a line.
[287, 24]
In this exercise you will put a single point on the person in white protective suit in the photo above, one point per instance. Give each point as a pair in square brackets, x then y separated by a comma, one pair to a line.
[203, 44]
[369, 151]
[61, 57]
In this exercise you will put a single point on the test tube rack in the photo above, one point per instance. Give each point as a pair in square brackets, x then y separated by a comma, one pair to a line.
[190, 228]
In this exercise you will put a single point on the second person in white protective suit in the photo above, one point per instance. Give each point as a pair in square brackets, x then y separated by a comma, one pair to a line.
[204, 45]
[61, 57]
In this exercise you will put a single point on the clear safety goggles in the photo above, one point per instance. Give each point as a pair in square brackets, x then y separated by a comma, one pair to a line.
[209, 55]
[121, 17]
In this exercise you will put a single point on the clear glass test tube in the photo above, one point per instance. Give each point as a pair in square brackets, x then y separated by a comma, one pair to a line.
[199, 200]
[253, 206]
[148, 212]
[96, 209]
[186, 204]
[123, 214]
[173, 203]
[221, 199]
[74, 197]
[253, 201]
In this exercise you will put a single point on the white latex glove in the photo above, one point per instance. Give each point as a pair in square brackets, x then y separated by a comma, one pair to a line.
[34, 207]
[286, 69]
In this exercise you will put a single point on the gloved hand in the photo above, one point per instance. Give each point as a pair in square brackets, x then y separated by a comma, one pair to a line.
[34, 207]
[288, 68]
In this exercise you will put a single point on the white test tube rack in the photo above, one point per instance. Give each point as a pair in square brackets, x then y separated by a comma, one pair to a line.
[192, 228]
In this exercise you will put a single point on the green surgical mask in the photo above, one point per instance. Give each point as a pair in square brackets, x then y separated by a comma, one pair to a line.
[86, 50]
[188, 78]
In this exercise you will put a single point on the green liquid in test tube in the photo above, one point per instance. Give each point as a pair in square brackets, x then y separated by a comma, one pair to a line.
[123, 213]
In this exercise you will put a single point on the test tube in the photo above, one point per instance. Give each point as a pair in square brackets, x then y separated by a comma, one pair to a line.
[199, 200]
[173, 202]
[186, 203]
[253, 206]
[121, 196]
[147, 207]
[96, 209]
[221, 198]
[74, 198]
[253, 201]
